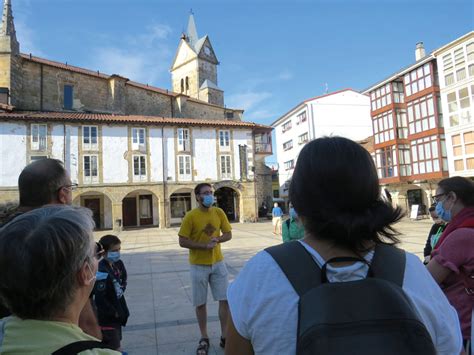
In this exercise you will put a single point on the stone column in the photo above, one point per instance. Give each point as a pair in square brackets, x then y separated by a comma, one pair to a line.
[117, 221]
[165, 218]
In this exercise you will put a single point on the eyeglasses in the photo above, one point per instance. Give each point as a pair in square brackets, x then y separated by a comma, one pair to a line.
[71, 187]
[437, 197]
[99, 251]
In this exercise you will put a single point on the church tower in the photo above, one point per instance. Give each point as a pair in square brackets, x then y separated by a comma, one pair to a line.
[9, 58]
[194, 68]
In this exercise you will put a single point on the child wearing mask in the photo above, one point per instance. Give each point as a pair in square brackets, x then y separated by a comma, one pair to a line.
[112, 310]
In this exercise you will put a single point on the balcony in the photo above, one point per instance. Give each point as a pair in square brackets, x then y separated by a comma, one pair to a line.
[263, 143]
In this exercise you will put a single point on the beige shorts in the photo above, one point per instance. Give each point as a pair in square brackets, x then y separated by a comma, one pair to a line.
[276, 221]
[215, 275]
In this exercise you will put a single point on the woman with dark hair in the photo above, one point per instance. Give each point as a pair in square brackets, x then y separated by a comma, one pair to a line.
[452, 260]
[335, 191]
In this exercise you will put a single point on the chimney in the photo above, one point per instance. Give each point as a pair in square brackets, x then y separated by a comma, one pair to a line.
[420, 51]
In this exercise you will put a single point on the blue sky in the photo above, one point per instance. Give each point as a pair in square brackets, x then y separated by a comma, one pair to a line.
[273, 53]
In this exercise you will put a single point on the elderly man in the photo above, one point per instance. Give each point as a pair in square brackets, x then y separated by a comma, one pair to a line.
[46, 182]
[49, 262]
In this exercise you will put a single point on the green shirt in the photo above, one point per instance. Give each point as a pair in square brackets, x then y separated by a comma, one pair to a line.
[42, 337]
[295, 232]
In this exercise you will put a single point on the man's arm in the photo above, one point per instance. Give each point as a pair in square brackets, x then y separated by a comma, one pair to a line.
[225, 237]
[88, 321]
[191, 244]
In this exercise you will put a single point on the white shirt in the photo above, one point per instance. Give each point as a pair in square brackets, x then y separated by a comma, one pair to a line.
[264, 305]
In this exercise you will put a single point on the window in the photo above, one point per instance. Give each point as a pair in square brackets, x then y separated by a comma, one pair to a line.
[461, 74]
[183, 139]
[418, 79]
[386, 162]
[288, 145]
[470, 70]
[469, 142]
[383, 127]
[303, 138]
[226, 168]
[38, 136]
[187, 84]
[138, 139]
[404, 159]
[290, 164]
[421, 114]
[139, 166]
[229, 115]
[402, 124]
[447, 62]
[459, 104]
[398, 94]
[449, 79]
[426, 156]
[90, 169]
[381, 97]
[301, 117]
[68, 97]
[224, 139]
[470, 51]
[37, 157]
[286, 126]
[89, 137]
[184, 167]
[459, 58]
[182, 85]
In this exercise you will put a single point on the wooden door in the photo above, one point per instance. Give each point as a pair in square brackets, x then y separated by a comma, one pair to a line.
[146, 210]
[129, 207]
[94, 205]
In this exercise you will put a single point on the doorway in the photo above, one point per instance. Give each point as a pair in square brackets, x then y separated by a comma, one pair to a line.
[227, 199]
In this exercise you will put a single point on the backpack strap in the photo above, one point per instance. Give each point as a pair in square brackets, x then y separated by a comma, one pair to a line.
[297, 264]
[79, 346]
[389, 263]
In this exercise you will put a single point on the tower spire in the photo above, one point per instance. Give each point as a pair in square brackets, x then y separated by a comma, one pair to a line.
[8, 27]
[192, 35]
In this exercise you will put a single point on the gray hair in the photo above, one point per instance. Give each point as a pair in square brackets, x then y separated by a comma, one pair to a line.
[41, 252]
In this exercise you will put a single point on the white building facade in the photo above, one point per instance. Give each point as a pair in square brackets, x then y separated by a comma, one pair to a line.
[343, 113]
[456, 79]
[128, 166]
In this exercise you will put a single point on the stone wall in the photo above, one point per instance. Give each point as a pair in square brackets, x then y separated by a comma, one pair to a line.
[263, 179]
[144, 102]
[195, 109]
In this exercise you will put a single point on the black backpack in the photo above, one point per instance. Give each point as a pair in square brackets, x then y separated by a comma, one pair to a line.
[371, 316]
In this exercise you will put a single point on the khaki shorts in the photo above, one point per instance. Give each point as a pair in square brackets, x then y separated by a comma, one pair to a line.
[214, 275]
[276, 221]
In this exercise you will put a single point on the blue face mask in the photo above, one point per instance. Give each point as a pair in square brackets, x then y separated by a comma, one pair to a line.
[208, 200]
[293, 213]
[113, 256]
[442, 213]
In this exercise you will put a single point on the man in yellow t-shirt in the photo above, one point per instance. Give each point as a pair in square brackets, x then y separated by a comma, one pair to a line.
[200, 232]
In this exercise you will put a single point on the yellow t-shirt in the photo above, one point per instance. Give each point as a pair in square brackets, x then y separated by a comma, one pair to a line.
[201, 226]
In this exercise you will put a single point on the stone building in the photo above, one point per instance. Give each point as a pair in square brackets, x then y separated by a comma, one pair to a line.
[136, 151]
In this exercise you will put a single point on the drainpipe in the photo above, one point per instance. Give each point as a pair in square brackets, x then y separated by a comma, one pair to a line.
[165, 190]
[41, 88]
